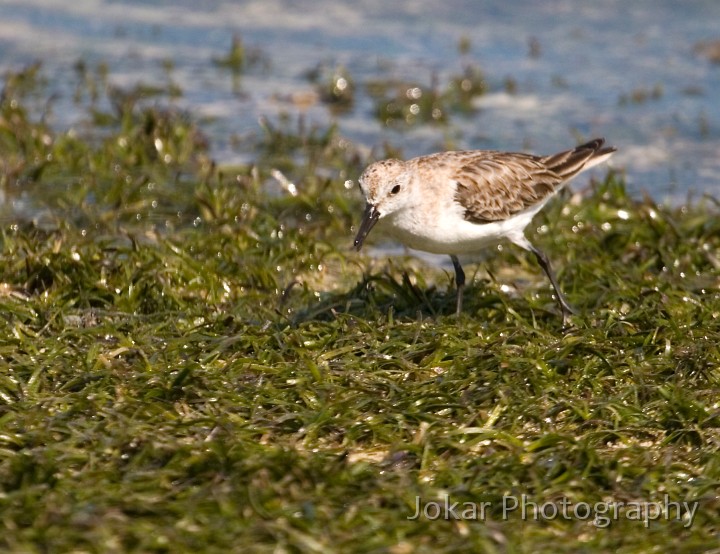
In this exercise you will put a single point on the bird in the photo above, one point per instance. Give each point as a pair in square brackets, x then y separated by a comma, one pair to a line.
[460, 202]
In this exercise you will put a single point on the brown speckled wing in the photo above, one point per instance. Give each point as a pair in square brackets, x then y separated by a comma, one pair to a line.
[494, 186]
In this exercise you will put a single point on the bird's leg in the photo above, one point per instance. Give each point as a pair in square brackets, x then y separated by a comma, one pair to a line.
[459, 282]
[565, 307]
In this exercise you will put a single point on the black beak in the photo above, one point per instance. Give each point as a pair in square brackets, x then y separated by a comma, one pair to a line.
[369, 219]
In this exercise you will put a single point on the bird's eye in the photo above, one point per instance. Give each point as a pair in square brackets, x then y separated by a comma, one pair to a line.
[395, 189]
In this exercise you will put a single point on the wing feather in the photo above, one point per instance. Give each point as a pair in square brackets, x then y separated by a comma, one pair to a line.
[493, 187]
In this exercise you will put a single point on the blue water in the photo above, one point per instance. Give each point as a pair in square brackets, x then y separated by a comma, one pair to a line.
[592, 55]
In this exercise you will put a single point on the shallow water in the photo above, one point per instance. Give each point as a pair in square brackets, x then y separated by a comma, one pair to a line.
[590, 59]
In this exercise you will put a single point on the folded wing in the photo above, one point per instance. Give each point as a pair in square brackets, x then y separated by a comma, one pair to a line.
[493, 186]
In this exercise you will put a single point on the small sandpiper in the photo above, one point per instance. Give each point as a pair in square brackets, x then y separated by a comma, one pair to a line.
[462, 202]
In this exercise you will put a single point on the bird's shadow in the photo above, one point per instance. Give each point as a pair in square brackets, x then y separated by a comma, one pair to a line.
[386, 293]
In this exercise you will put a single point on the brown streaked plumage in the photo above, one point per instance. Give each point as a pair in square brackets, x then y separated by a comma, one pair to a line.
[460, 202]
[493, 186]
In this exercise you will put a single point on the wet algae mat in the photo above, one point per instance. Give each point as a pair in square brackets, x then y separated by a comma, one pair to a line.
[192, 358]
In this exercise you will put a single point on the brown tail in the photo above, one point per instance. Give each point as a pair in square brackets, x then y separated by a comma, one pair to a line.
[571, 162]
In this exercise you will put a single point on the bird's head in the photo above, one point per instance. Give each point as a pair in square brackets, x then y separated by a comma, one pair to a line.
[385, 186]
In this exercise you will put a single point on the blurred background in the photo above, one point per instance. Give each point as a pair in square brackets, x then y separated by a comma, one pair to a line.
[407, 77]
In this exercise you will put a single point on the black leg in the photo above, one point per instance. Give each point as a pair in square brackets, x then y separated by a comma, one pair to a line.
[566, 308]
[459, 282]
